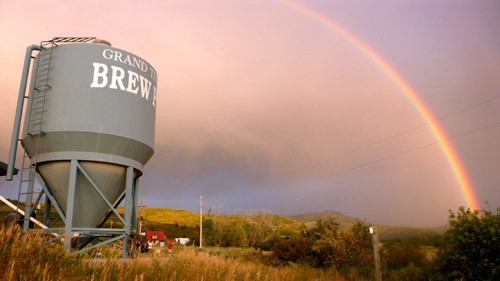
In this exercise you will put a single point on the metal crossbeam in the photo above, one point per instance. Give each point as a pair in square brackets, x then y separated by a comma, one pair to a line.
[51, 198]
[111, 212]
[96, 188]
[100, 244]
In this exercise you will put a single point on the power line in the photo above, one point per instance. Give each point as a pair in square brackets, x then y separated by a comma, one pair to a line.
[390, 137]
[410, 150]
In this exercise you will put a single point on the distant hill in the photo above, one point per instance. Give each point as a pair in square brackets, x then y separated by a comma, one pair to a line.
[310, 218]
[386, 232]
[441, 229]
[183, 223]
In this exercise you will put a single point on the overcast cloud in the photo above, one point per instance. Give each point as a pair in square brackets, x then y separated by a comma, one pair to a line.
[261, 106]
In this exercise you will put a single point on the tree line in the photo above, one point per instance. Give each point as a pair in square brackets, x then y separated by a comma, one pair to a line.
[469, 250]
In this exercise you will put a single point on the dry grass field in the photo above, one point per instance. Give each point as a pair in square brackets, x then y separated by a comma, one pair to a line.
[23, 257]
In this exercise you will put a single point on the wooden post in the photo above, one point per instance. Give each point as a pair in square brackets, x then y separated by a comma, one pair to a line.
[141, 212]
[201, 221]
[376, 253]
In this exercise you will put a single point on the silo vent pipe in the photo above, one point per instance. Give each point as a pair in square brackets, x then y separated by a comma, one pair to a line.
[19, 111]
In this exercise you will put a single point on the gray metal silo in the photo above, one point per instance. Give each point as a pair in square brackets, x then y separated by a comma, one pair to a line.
[88, 131]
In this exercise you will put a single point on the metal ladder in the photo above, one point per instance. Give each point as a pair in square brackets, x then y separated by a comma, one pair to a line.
[35, 116]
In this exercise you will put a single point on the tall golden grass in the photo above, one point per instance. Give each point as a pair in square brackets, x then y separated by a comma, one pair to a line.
[24, 257]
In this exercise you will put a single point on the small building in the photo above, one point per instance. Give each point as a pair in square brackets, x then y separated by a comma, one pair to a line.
[3, 169]
[153, 236]
[182, 241]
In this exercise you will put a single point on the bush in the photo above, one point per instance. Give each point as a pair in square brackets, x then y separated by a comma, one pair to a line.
[294, 249]
[408, 273]
[335, 247]
[401, 254]
[471, 247]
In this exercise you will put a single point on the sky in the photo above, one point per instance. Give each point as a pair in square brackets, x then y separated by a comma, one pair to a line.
[262, 106]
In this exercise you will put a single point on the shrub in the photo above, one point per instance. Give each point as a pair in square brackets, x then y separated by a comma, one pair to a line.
[294, 249]
[401, 254]
[407, 273]
[471, 247]
[340, 248]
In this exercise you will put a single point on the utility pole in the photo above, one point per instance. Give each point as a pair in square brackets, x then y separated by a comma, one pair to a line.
[201, 221]
[141, 212]
[376, 253]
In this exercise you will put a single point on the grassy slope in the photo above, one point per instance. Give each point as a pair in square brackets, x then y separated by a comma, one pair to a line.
[167, 218]
[183, 223]
[308, 218]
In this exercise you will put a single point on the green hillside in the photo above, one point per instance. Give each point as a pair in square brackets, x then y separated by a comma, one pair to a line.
[310, 218]
[171, 216]
[183, 223]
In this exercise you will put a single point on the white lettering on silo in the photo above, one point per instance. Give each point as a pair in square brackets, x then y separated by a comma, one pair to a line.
[137, 62]
[118, 79]
[145, 87]
[153, 74]
[100, 71]
[110, 56]
[132, 82]
[154, 96]
[118, 56]
[130, 60]
[144, 66]
[117, 75]
[127, 60]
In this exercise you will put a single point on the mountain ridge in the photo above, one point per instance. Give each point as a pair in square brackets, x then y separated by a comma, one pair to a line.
[385, 231]
[184, 223]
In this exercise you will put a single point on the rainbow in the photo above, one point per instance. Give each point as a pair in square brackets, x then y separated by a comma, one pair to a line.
[450, 153]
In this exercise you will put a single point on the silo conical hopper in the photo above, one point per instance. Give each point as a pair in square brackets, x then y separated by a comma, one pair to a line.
[99, 110]
[89, 206]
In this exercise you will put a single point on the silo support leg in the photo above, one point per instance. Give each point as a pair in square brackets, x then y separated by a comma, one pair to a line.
[111, 211]
[129, 190]
[33, 205]
[70, 205]
[37, 200]
[46, 210]
[52, 200]
[134, 207]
